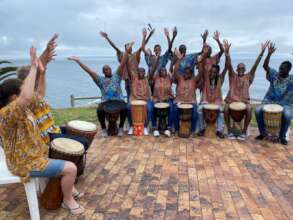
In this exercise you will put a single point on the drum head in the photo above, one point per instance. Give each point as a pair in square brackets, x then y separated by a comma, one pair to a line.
[68, 146]
[237, 106]
[138, 102]
[273, 108]
[185, 106]
[162, 105]
[82, 125]
[211, 106]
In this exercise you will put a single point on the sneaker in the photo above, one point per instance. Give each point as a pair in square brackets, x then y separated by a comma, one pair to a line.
[231, 136]
[167, 133]
[283, 141]
[145, 132]
[260, 137]
[156, 133]
[220, 135]
[120, 132]
[130, 131]
[104, 133]
[242, 137]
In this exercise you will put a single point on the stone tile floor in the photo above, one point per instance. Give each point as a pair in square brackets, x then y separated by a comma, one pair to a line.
[174, 178]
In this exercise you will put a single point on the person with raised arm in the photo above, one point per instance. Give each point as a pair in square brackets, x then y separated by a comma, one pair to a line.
[280, 92]
[239, 84]
[110, 86]
[26, 153]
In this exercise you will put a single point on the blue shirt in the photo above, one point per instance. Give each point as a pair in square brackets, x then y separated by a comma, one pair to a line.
[110, 87]
[280, 90]
[163, 60]
[189, 60]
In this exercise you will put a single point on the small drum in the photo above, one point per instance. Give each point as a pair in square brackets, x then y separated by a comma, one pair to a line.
[112, 111]
[138, 114]
[70, 150]
[52, 195]
[185, 115]
[82, 129]
[162, 110]
[237, 112]
[210, 112]
[272, 114]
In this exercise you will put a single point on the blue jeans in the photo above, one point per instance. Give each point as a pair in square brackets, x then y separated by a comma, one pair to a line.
[170, 116]
[53, 169]
[193, 117]
[286, 120]
[150, 112]
[201, 121]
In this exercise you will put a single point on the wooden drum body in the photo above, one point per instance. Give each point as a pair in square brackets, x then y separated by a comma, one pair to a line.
[210, 112]
[138, 114]
[82, 129]
[185, 115]
[162, 111]
[112, 111]
[272, 114]
[237, 112]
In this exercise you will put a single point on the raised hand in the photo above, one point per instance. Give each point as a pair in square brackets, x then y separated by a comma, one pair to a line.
[144, 32]
[271, 48]
[226, 46]
[73, 58]
[166, 32]
[175, 32]
[204, 36]
[178, 54]
[264, 46]
[216, 36]
[104, 34]
[34, 57]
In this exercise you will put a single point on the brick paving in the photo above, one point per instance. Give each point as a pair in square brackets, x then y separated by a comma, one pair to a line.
[174, 178]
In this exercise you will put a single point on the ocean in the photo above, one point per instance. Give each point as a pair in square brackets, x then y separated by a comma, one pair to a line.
[65, 77]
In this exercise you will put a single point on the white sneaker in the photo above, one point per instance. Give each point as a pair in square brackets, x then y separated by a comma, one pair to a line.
[242, 137]
[120, 132]
[156, 133]
[167, 133]
[231, 136]
[145, 132]
[104, 133]
[130, 131]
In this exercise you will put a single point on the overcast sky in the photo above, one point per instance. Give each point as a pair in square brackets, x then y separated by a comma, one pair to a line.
[246, 23]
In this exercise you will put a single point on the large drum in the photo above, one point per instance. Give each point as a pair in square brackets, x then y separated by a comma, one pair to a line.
[237, 112]
[138, 114]
[210, 112]
[82, 129]
[185, 115]
[272, 114]
[70, 150]
[162, 110]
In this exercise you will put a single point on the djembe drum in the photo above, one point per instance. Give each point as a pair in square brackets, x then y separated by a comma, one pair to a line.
[138, 113]
[237, 112]
[185, 115]
[162, 110]
[210, 112]
[82, 129]
[112, 111]
[272, 114]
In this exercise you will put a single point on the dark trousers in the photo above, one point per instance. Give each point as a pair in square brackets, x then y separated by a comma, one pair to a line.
[102, 118]
[64, 134]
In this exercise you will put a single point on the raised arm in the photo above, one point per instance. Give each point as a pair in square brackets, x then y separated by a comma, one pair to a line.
[271, 50]
[124, 58]
[151, 32]
[28, 88]
[170, 41]
[257, 61]
[143, 44]
[201, 62]
[217, 39]
[105, 36]
[228, 62]
[88, 70]
[154, 68]
[179, 57]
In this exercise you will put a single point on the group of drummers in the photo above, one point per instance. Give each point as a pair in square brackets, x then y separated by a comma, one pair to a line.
[27, 127]
[150, 96]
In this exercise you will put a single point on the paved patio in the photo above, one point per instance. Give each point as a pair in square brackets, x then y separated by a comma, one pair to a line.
[174, 178]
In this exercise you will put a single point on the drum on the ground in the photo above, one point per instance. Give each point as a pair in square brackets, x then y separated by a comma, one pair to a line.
[185, 115]
[210, 113]
[237, 112]
[138, 114]
[52, 195]
[162, 110]
[82, 129]
[272, 114]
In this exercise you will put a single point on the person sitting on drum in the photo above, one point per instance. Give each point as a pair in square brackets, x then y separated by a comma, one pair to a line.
[42, 110]
[186, 87]
[280, 92]
[239, 84]
[110, 86]
[26, 153]
[211, 93]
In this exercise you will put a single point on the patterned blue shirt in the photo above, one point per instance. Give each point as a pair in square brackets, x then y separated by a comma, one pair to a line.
[189, 60]
[110, 87]
[280, 90]
[163, 60]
